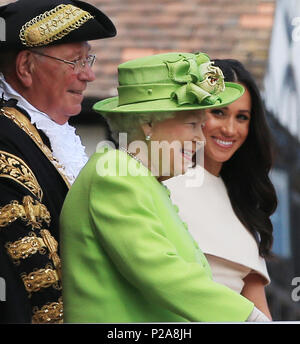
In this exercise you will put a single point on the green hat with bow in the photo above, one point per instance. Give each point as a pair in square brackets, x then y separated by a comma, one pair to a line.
[170, 82]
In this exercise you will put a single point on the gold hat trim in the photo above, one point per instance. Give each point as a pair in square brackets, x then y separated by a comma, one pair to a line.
[53, 25]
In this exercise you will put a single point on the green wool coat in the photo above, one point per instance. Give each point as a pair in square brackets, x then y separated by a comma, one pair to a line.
[128, 257]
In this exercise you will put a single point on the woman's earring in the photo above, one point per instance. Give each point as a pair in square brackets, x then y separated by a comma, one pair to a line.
[203, 125]
[148, 137]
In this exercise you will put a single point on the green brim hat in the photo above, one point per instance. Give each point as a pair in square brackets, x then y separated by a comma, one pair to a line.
[170, 82]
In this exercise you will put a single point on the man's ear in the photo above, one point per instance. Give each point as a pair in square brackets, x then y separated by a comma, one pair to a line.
[24, 68]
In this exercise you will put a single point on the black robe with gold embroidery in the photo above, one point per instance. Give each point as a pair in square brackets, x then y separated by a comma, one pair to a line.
[32, 192]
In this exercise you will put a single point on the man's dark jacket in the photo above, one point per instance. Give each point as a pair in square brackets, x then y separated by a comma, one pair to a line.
[32, 191]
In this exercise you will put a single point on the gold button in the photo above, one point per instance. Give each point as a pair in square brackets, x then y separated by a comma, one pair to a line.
[33, 35]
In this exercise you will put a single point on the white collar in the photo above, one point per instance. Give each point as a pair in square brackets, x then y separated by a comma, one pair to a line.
[65, 144]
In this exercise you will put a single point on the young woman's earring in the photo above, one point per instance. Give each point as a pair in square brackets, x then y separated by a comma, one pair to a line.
[148, 137]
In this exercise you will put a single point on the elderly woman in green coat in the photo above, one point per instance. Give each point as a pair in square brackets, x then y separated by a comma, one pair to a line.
[127, 256]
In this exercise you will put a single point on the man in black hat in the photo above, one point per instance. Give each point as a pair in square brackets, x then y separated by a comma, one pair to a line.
[45, 65]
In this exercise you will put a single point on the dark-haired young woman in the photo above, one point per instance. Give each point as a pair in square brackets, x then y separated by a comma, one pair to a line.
[229, 214]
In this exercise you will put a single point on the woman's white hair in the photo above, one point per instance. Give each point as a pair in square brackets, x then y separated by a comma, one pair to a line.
[130, 123]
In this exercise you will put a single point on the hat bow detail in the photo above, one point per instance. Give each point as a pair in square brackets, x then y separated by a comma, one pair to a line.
[201, 80]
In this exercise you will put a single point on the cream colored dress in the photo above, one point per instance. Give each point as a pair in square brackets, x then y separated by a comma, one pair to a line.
[231, 250]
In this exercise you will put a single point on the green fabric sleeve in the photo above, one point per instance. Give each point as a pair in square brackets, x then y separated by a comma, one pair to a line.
[124, 212]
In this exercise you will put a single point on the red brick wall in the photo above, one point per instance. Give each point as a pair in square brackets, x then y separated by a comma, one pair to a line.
[222, 28]
[238, 29]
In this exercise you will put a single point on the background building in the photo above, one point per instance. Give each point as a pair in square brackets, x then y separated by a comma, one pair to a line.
[282, 100]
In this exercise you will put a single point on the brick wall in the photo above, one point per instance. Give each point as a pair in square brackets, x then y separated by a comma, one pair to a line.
[238, 29]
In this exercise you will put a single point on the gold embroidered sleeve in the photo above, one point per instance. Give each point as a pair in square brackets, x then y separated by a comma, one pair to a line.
[31, 244]
[25, 247]
[36, 253]
[51, 313]
[41, 278]
[25, 235]
[31, 211]
[14, 168]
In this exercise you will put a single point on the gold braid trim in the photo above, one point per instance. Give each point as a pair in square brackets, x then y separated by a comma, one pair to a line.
[53, 25]
[31, 211]
[29, 245]
[25, 247]
[52, 246]
[14, 168]
[24, 123]
[42, 278]
[51, 313]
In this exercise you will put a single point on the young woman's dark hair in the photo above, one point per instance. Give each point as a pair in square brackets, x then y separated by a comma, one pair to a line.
[246, 174]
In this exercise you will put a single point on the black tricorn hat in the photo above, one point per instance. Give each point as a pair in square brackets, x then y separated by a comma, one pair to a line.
[32, 23]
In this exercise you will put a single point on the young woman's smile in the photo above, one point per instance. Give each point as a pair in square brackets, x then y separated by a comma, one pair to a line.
[226, 129]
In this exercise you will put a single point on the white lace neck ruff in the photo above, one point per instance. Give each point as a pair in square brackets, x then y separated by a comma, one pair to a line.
[65, 144]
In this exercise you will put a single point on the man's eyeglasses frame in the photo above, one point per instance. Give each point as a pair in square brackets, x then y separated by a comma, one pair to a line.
[77, 65]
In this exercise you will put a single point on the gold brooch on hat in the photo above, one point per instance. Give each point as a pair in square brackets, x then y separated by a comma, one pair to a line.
[53, 25]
